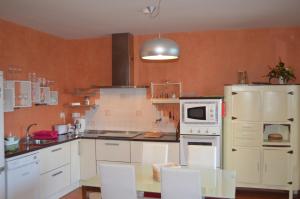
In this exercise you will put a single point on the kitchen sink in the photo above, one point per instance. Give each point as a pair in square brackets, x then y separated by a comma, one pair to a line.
[40, 142]
[113, 134]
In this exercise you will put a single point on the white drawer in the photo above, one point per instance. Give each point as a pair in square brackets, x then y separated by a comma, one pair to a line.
[54, 181]
[113, 150]
[54, 157]
[247, 134]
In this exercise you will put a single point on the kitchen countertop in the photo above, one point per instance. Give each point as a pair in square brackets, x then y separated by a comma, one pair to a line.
[25, 148]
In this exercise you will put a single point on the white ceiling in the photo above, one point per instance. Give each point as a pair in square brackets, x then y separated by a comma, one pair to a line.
[92, 18]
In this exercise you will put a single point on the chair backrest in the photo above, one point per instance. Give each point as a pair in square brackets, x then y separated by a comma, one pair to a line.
[117, 181]
[177, 183]
[154, 153]
[203, 156]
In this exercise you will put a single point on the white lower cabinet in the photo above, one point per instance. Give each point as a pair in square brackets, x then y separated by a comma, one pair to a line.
[87, 158]
[247, 165]
[54, 157]
[113, 150]
[75, 161]
[54, 181]
[54, 169]
[137, 152]
[276, 167]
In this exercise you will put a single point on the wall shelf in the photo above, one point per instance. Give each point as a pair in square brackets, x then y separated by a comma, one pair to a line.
[165, 100]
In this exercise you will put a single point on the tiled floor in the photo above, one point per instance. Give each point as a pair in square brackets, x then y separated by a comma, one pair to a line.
[241, 194]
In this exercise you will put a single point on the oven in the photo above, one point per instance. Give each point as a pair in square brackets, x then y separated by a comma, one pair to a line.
[189, 140]
[201, 124]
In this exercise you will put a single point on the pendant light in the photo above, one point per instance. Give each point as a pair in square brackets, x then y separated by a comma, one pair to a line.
[158, 48]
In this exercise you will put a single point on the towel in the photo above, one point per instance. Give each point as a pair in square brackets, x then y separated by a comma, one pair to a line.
[45, 135]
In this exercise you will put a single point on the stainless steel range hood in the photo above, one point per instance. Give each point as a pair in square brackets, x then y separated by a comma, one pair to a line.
[122, 62]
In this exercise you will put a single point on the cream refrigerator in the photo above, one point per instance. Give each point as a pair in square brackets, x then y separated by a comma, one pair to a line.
[2, 160]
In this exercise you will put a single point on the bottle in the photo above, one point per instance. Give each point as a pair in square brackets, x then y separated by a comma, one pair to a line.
[86, 100]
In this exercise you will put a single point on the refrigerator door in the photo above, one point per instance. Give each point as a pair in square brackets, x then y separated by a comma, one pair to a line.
[2, 183]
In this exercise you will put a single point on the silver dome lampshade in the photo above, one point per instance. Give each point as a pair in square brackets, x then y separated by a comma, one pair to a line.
[159, 49]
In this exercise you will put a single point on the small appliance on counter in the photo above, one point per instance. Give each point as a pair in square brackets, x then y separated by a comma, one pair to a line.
[11, 143]
[61, 128]
[79, 123]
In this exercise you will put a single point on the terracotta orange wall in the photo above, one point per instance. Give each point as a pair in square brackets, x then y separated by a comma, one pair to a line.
[208, 61]
[211, 59]
[71, 64]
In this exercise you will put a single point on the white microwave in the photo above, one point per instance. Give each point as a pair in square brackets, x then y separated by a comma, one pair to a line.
[201, 111]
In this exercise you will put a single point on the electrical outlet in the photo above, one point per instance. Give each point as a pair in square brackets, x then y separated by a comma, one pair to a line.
[62, 115]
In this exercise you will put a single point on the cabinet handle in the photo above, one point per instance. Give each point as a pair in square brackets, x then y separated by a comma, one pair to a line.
[233, 118]
[58, 149]
[234, 93]
[257, 165]
[233, 149]
[291, 119]
[290, 182]
[55, 174]
[291, 93]
[290, 152]
[112, 144]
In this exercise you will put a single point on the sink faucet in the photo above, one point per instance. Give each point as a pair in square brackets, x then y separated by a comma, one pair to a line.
[27, 138]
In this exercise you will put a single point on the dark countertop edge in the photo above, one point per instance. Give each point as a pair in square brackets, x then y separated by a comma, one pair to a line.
[261, 84]
[69, 139]
[203, 97]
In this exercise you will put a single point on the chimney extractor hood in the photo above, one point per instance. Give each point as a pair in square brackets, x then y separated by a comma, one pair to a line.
[122, 62]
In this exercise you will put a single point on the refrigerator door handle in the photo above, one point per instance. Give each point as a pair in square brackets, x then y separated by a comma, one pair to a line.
[2, 169]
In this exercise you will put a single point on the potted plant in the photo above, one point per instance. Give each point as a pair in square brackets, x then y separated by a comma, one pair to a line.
[281, 72]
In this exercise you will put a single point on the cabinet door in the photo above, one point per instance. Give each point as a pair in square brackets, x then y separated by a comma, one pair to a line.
[246, 105]
[75, 161]
[137, 152]
[87, 158]
[276, 105]
[247, 165]
[276, 167]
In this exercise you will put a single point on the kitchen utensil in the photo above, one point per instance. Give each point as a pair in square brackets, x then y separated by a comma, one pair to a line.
[242, 77]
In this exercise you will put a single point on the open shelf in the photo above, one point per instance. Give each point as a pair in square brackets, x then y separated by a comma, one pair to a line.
[165, 100]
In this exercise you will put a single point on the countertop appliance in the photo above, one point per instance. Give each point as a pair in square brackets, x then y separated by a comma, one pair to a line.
[2, 159]
[61, 128]
[200, 124]
[23, 176]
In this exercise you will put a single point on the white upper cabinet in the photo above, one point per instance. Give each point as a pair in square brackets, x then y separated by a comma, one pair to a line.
[276, 105]
[246, 105]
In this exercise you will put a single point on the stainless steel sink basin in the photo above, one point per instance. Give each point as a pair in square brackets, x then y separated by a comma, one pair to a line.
[40, 142]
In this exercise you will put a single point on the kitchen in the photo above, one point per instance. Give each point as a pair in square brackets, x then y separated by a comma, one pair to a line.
[208, 60]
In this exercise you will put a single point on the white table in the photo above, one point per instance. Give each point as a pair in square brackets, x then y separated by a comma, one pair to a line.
[215, 183]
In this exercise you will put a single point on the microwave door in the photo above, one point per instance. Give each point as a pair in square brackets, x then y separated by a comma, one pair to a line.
[195, 114]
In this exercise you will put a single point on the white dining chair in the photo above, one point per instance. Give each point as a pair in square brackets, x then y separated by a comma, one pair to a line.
[203, 156]
[117, 181]
[178, 183]
[154, 153]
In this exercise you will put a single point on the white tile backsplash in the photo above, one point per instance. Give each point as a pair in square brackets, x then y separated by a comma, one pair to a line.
[126, 109]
